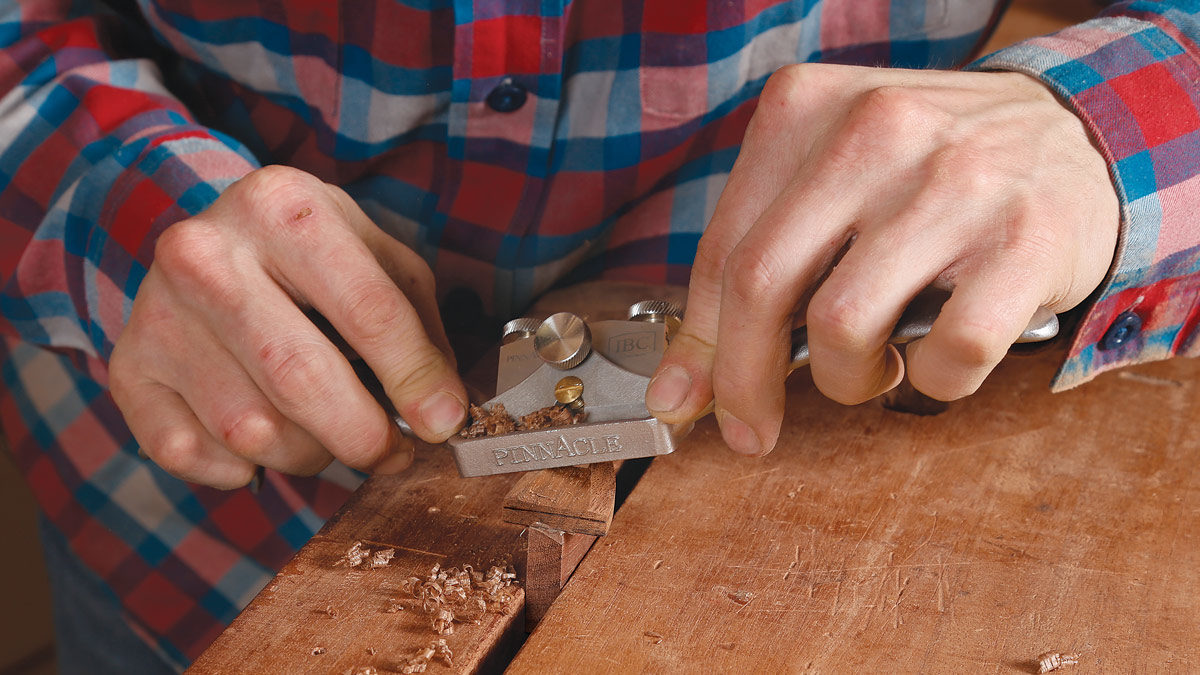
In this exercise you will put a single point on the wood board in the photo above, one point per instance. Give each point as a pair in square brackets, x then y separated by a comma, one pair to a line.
[429, 516]
[1018, 522]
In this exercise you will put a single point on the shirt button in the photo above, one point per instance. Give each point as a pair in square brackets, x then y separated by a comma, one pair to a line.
[1125, 328]
[507, 96]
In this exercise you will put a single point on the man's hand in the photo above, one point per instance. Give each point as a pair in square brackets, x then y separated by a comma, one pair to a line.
[220, 368]
[855, 189]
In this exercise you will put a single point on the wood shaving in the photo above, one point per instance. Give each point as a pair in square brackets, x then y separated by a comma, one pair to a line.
[1051, 661]
[497, 421]
[550, 416]
[465, 595]
[357, 556]
[381, 558]
[317, 651]
[420, 661]
[741, 597]
[486, 422]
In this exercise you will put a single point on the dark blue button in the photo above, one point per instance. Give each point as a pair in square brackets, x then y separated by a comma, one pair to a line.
[1125, 328]
[507, 96]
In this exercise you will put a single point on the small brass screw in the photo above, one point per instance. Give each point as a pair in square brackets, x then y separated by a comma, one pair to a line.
[569, 392]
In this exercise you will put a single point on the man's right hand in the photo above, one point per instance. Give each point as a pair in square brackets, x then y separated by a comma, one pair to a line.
[219, 368]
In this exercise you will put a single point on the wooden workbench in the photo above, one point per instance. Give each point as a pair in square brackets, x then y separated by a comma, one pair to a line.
[1015, 523]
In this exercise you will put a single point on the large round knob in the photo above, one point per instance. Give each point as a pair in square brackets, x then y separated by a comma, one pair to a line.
[563, 340]
[518, 329]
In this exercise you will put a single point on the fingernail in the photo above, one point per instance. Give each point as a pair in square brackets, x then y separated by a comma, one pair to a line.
[738, 436]
[668, 389]
[442, 413]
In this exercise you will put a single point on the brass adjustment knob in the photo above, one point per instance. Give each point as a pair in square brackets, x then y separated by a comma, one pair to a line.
[518, 329]
[569, 392]
[563, 340]
[657, 311]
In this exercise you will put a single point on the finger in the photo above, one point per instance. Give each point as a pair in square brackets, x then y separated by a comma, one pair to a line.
[170, 434]
[363, 303]
[233, 410]
[855, 310]
[403, 265]
[303, 375]
[771, 154]
[793, 244]
[984, 316]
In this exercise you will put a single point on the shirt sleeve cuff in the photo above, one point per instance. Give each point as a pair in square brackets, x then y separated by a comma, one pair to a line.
[1133, 82]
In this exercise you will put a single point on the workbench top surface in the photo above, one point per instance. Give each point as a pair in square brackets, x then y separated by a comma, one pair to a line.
[1017, 522]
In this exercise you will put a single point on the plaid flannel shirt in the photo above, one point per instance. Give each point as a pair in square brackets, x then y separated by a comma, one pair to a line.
[610, 129]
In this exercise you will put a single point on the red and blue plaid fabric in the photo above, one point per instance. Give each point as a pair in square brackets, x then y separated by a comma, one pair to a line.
[112, 128]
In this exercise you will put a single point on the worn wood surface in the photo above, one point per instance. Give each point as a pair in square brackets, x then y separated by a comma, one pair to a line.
[1015, 523]
[552, 558]
[575, 499]
[429, 516]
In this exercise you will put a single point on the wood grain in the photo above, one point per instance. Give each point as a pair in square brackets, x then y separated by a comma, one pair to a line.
[1016, 523]
[552, 558]
[429, 516]
[574, 499]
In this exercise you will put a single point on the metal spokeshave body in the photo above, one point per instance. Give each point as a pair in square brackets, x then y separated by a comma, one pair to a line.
[621, 356]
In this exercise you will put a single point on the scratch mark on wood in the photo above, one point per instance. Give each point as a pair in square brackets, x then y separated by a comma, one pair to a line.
[755, 475]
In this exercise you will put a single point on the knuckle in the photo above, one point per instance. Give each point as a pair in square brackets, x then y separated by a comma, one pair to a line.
[249, 434]
[298, 374]
[977, 345]
[285, 197]
[783, 97]
[186, 249]
[752, 276]
[789, 82]
[194, 257]
[373, 310]
[838, 319]
[710, 258]
[177, 451]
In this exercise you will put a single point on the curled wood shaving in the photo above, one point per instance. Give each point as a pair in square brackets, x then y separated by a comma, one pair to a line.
[381, 558]
[357, 555]
[420, 661]
[486, 422]
[461, 595]
[550, 416]
[497, 421]
[1051, 661]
